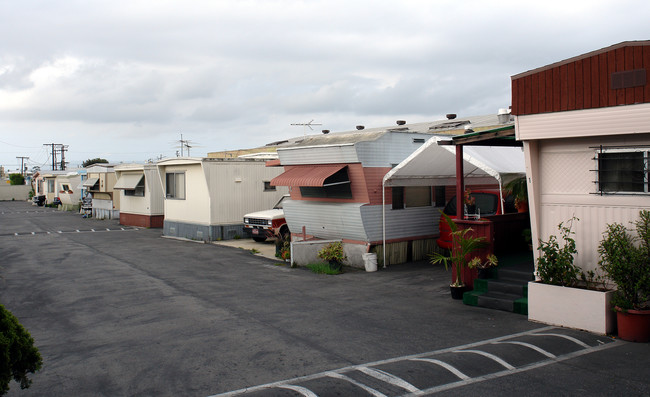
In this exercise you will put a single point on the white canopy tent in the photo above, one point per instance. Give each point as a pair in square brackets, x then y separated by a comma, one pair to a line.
[434, 164]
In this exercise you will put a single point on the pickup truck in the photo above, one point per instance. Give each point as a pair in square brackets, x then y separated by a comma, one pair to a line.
[267, 224]
[486, 202]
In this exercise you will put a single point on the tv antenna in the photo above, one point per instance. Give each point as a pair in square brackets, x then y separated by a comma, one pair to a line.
[307, 125]
[184, 145]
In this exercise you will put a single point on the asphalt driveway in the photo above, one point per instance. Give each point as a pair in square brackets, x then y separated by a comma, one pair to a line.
[121, 311]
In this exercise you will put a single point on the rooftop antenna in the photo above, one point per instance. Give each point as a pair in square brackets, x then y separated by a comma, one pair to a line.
[307, 125]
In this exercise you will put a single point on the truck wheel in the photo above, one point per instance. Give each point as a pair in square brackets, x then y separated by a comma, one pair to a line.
[259, 239]
[285, 234]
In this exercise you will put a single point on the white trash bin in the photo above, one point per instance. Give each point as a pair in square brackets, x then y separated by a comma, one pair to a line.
[370, 262]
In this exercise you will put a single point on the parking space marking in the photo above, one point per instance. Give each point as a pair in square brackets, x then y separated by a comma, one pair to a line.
[299, 389]
[389, 379]
[487, 355]
[530, 346]
[368, 389]
[567, 337]
[70, 231]
[444, 365]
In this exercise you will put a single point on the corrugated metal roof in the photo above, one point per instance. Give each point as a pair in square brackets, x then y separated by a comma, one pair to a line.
[446, 127]
[307, 175]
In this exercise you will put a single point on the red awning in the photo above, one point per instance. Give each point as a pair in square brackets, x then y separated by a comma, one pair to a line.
[307, 175]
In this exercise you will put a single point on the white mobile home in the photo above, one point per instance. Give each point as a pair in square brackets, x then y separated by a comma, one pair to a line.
[141, 195]
[68, 190]
[585, 125]
[99, 183]
[206, 199]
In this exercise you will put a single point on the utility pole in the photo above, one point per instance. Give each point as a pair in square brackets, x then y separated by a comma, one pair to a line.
[57, 147]
[63, 148]
[22, 168]
[53, 155]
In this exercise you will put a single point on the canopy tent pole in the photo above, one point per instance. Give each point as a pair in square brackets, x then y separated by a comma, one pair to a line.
[383, 219]
[460, 184]
[502, 199]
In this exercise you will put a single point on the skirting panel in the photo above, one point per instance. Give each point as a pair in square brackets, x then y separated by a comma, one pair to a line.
[151, 221]
[202, 232]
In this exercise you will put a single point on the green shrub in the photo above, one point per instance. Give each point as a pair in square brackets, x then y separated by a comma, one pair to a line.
[323, 268]
[626, 261]
[333, 252]
[18, 355]
[16, 179]
[555, 264]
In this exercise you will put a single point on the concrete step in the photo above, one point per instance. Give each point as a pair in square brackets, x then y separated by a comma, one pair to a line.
[520, 276]
[498, 301]
[508, 287]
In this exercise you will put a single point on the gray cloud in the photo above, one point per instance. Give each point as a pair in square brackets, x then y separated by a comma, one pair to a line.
[235, 74]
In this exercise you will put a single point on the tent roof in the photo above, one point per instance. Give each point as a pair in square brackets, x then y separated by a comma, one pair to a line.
[433, 164]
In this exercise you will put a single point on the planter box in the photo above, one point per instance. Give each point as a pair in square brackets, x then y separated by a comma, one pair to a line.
[571, 307]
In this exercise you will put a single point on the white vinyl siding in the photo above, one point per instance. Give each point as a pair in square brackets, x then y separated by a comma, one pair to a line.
[236, 188]
[566, 185]
[603, 122]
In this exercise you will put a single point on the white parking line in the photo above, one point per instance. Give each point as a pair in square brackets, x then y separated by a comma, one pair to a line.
[381, 362]
[444, 365]
[302, 390]
[523, 368]
[567, 337]
[488, 355]
[528, 345]
[370, 390]
[388, 378]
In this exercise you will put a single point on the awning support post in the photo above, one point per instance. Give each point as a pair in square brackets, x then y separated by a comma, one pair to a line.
[460, 184]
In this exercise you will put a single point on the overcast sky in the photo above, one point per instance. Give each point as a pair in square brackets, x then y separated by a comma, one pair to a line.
[123, 79]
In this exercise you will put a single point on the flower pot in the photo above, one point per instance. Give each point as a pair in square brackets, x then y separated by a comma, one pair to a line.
[457, 292]
[335, 265]
[484, 273]
[633, 325]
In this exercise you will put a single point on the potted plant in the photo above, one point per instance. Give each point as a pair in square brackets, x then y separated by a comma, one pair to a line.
[625, 259]
[333, 254]
[519, 191]
[483, 266]
[564, 295]
[463, 245]
[470, 202]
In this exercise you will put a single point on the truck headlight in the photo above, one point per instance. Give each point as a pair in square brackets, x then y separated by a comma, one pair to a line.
[270, 222]
[245, 220]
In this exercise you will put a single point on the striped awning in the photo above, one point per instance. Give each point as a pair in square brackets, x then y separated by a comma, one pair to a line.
[307, 175]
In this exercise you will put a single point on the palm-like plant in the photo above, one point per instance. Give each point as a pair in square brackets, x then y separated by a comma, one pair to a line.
[463, 244]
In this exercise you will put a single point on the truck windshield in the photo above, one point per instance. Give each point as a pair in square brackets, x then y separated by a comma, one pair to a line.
[280, 203]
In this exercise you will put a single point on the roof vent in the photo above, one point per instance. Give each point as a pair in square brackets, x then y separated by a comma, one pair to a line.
[326, 131]
[503, 115]
[450, 116]
[360, 127]
[401, 122]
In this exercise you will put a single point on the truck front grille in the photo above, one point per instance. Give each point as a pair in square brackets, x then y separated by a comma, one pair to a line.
[256, 221]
